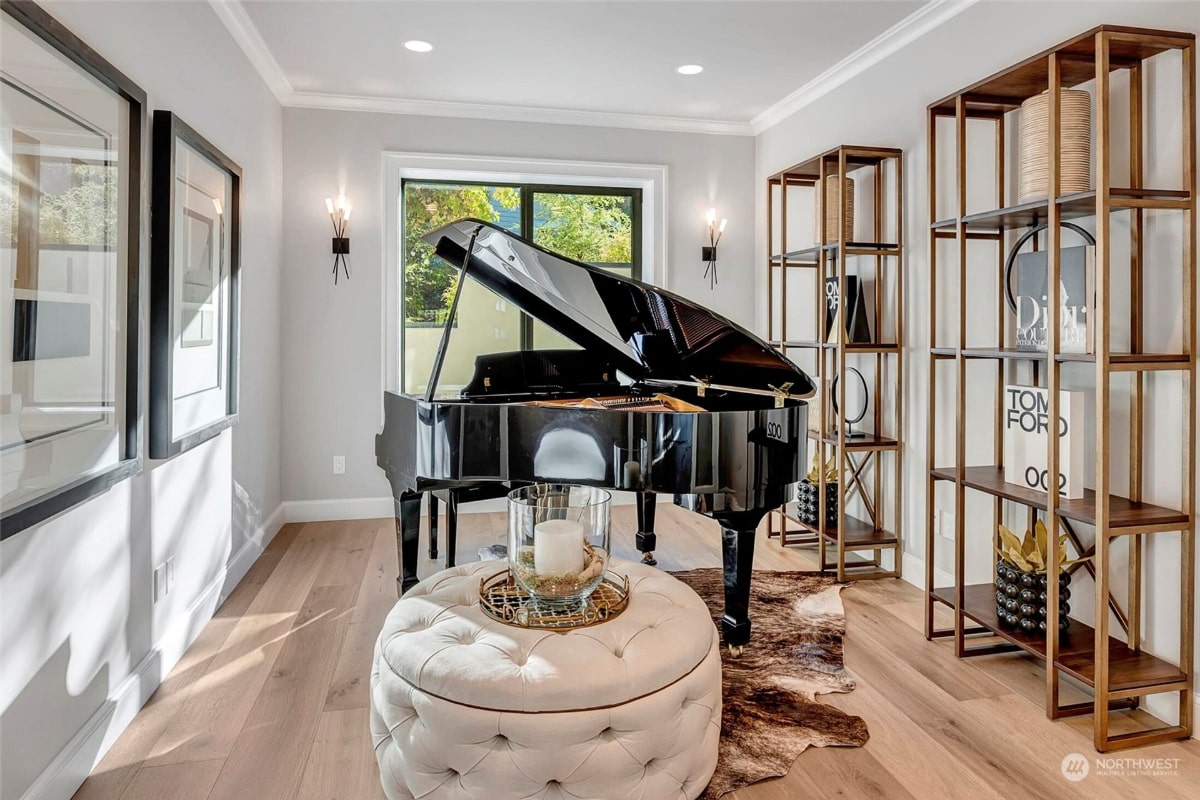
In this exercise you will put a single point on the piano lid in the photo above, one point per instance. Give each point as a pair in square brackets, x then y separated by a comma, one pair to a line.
[646, 332]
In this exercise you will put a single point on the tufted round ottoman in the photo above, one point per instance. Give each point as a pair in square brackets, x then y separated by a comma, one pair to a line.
[463, 706]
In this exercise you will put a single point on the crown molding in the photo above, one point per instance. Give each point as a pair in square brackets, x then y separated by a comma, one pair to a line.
[929, 16]
[895, 38]
[233, 14]
[556, 116]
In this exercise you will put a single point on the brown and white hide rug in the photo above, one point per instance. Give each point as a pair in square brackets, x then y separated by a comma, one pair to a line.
[771, 714]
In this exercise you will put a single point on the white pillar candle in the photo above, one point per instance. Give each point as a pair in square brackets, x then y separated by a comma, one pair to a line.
[558, 547]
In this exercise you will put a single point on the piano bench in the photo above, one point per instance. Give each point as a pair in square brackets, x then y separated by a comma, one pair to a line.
[463, 706]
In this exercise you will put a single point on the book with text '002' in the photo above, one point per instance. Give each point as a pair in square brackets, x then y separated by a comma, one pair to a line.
[1026, 425]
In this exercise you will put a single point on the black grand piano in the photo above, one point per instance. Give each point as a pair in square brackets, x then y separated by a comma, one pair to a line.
[664, 396]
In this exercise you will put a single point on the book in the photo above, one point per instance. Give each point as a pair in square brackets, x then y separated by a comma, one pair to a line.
[855, 315]
[1026, 426]
[1077, 271]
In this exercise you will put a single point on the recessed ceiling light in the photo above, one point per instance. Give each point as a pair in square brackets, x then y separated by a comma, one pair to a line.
[418, 46]
[690, 69]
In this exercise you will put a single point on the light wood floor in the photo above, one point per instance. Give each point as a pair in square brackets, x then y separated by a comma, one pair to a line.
[271, 700]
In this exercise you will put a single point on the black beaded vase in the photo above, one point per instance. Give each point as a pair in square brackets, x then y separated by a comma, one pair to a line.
[1021, 599]
[808, 503]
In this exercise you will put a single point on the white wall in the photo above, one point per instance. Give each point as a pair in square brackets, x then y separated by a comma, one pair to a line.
[886, 106]
[83, 646]
[333, 335]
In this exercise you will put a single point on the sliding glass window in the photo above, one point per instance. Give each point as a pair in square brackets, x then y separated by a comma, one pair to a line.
[600, 226]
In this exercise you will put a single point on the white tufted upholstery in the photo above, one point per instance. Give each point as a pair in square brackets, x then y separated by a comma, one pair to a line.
[464, 707]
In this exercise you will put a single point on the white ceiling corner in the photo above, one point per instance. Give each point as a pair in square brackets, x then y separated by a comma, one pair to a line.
[911, 27]
[895, 38]
[233, 14]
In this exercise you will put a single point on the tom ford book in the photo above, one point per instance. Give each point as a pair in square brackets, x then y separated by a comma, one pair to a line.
[1076, 293]
[1026, 426]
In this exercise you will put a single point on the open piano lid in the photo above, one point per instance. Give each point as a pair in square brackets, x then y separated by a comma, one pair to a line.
[648, 333]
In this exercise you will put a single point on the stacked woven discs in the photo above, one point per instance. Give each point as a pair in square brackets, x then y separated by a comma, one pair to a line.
[1075, 135]
[832, 212]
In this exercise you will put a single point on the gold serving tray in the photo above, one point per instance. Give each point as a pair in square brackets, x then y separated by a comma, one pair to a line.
[503, 599]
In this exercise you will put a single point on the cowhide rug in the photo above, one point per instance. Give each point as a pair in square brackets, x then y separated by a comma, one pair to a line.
[795, 653]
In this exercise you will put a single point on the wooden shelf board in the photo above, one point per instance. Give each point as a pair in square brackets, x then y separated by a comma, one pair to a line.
[1123, 513]
[857, 157]
[1128, 669]
[1120, 361]
[868, 442]
[808, 256]
[1008, 88]
[851, 347]
[859, 534]
[1073, 206]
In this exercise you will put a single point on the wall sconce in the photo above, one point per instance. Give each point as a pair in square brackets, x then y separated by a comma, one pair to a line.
[339, 215]
[709, 253]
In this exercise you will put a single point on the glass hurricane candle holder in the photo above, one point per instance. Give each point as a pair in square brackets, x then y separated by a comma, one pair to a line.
[558, 541]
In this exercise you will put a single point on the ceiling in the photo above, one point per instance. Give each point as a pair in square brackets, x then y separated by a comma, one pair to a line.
[606, 60]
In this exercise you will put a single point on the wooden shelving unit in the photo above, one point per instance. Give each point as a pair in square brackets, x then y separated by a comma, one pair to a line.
[869, 464]
[1116, 667]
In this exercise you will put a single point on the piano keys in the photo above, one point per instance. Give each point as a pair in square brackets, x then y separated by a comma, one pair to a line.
[664, 397]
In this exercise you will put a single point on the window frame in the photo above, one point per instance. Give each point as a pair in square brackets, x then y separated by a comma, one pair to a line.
[527, 226]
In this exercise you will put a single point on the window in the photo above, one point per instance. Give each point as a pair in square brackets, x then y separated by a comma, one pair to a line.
[600, 226]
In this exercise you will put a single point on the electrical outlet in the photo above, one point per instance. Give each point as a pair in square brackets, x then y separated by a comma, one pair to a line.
[170, 569]
[339, 465]
[946, 525]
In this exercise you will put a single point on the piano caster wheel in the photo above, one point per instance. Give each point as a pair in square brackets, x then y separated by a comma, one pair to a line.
[735, 650]
[649, 560]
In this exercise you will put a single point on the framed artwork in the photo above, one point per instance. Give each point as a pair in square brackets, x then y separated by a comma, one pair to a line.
[70, 232]
[195, 227]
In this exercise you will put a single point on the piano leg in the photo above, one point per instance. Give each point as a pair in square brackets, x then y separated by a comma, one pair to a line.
[647, 542]
[433, 526]
[737, 548]
[451, 528]
[408, 532]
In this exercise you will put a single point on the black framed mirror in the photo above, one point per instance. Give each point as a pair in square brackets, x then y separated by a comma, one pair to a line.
[195, 224]
[71, 228]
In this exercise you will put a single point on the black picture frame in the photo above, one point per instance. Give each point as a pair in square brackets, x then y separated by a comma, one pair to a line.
[54, 34]
[169, 129]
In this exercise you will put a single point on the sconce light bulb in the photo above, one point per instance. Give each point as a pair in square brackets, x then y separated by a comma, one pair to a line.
[329, 205]
[346, 213]
[712, 215]
[341, 202]
[721, 229]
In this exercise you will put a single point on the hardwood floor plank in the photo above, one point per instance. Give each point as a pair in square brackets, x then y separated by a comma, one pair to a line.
[377, 594]
[350, 686]
[174, 781]
[119, 765]
[350, 548]
[208, 724]
[342, 762]
[268, 757]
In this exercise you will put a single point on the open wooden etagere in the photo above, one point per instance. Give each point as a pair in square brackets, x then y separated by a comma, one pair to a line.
[860, 461]
[1119, 672]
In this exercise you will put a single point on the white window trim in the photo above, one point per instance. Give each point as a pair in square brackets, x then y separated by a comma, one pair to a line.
[398, 167]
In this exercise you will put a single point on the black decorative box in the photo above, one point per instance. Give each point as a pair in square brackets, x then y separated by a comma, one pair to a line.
[808, 503]
[1021, 599]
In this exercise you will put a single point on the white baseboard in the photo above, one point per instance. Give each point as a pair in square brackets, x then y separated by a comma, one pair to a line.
[379, 507]
[914, 572]
[67, 772]
[343, 508]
